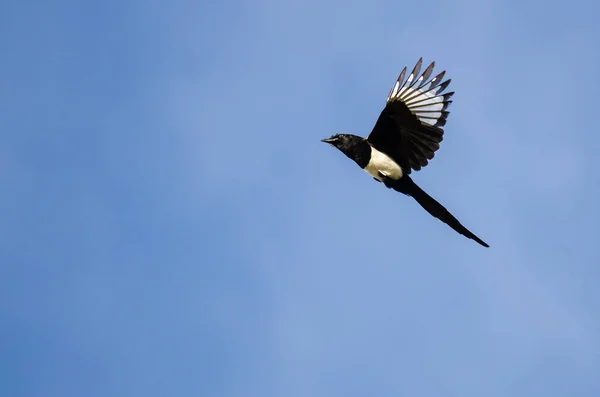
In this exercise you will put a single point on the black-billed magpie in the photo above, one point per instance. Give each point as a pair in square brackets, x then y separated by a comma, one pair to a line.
[405, 137]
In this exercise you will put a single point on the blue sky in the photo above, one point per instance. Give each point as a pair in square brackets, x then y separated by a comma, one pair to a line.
[173, 226]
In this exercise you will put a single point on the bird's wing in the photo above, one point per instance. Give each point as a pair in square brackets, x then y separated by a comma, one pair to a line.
[409, 127]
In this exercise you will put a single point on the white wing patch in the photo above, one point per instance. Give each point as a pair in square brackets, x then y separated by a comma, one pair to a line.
[423, 98]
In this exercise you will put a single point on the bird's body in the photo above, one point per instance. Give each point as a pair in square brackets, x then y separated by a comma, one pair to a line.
[381, 166]
[405, 137]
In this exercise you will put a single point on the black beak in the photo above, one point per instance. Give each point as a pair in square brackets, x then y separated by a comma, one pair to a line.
[329, 140]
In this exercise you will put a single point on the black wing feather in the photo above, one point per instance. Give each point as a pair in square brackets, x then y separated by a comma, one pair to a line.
[408, 129]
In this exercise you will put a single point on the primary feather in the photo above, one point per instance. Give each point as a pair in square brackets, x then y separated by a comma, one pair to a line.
[409, 127]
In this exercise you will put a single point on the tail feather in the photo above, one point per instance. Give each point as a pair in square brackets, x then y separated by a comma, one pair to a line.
[407, 186]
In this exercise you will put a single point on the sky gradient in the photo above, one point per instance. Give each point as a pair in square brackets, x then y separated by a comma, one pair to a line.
[172, 225]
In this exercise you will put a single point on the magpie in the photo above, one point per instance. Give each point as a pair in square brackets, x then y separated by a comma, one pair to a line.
[405, 137]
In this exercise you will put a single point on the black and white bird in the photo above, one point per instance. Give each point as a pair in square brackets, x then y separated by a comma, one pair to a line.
[405, 137]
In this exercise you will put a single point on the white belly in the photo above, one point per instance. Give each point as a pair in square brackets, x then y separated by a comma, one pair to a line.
[381, 164]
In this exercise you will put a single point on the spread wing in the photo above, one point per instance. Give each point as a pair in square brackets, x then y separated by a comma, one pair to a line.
[409, 127]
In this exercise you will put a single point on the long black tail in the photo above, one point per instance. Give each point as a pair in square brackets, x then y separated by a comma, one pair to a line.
[407, 186]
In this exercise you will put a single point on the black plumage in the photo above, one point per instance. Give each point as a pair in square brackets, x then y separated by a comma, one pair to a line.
[405, 137]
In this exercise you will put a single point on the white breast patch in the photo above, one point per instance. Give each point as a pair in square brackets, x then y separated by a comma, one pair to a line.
[381, 163]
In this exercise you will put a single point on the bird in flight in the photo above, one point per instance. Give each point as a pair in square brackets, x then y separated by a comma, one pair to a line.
[405, 137]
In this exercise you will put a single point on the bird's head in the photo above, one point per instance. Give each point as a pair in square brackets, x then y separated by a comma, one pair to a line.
[344, 142]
